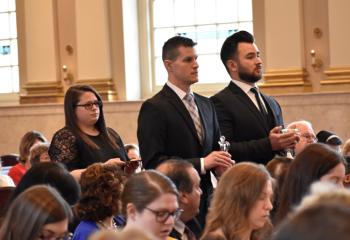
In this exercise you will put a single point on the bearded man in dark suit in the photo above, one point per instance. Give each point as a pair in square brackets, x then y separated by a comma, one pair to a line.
[250, 120]
[177, 123]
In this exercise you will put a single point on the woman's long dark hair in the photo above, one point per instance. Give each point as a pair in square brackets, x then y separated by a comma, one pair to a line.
[71, 100]
[309, 166]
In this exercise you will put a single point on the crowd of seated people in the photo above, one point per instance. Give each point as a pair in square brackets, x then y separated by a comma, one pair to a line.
[110, 199]
[149, 205]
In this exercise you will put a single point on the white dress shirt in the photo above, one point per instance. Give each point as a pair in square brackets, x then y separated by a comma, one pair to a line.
[246, 89]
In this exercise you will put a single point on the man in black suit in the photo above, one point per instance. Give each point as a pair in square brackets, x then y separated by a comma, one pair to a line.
[250, 121]
[172, 125]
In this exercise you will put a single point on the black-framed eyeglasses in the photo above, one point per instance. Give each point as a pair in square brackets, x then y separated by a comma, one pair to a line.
[162, 216]
[90, 105]
[131, 165]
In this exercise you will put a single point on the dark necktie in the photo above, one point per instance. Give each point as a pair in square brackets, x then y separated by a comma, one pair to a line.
[190, 235]
[258, 100]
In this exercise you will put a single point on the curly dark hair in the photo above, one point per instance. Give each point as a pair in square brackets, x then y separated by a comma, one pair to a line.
[101, 187]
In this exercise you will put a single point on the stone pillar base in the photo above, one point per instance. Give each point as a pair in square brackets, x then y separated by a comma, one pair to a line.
[285, 81]
[42, 92]
[338, 79]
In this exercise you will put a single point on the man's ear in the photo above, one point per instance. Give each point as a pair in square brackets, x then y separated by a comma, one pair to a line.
[131, 211]
[168, 65]
[347, 178]
[183, 198]
[231, 65]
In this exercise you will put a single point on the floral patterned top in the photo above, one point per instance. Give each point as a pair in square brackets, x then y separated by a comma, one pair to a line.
[72, 151]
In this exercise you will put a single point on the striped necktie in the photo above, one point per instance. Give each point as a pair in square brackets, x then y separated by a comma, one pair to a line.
[193, 110]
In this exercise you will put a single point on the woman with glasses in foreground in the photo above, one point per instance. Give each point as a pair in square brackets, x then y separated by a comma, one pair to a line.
[150, 202]
[37, 213]
[85, 139]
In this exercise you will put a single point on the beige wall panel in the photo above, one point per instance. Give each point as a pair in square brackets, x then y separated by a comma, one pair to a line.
[40, 43]
[284, 44]
[15, 121]
[325, 111]
[93, 45]
[339, 32]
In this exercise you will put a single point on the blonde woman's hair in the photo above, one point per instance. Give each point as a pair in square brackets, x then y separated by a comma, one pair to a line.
[237, 192]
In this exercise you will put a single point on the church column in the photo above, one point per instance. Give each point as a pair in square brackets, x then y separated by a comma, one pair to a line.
[93, 64]
[338, 74]
[284, 63]
[40, 77]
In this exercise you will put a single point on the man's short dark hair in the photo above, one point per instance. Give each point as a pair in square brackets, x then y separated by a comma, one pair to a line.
[170, 47]
[229, 48]
[176, 170]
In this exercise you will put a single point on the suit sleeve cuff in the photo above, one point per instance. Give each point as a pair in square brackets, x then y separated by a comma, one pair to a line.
[202, 166]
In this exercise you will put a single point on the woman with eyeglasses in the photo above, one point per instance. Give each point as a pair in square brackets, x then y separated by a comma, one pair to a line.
[85, 139]
[150, 202]
[37, 213]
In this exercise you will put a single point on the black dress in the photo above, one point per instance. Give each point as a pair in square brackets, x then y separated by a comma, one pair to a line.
[73, 152]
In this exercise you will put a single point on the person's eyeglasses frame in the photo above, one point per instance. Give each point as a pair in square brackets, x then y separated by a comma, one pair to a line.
[309, 138]
[89, 105]
[175, 214]
[131, 165]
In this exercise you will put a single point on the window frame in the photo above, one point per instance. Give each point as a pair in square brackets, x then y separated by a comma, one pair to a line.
[148, 80]
[13, 96]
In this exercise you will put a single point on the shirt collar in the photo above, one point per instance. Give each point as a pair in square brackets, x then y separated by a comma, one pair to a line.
[179, 226]
[179, 92]
[244, 86]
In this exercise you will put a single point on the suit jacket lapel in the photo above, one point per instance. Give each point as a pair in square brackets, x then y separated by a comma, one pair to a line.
[180, 108]
[270, 108]
[250, 105]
